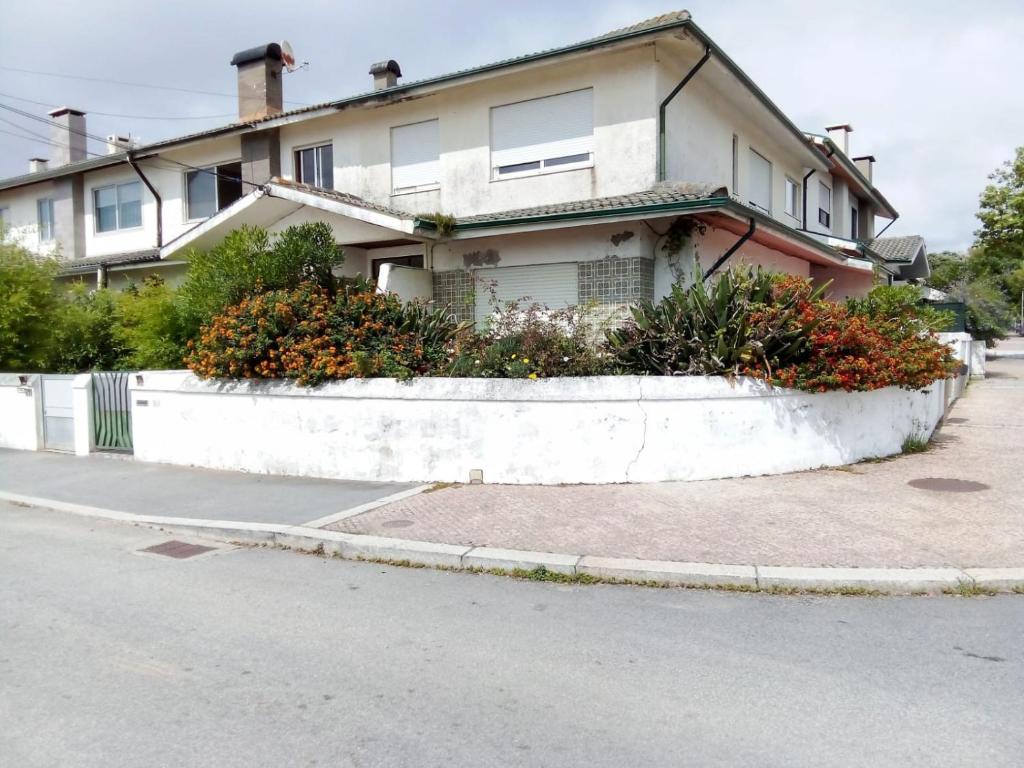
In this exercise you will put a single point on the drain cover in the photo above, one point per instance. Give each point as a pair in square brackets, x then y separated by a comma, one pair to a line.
[947, 484]
[179, 550]
[396, 524]
[956, 420]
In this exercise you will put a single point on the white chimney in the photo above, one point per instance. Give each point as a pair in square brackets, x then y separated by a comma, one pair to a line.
[866, 165]
[385, 74]
[37, 164]
[840, 135]
[117, 143]
[69, 135]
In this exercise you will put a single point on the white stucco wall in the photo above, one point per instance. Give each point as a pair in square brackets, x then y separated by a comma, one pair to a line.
[22, 216]
[20, 413]
[587, 430]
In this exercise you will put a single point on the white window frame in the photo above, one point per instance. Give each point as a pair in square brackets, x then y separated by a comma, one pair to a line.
[318, 170]
[771, 173]
[116, 186]
[544, 165]
[827, 210]
[51, 233]
[211, 169]
[428, 187]
[735, 164]
[792, 198]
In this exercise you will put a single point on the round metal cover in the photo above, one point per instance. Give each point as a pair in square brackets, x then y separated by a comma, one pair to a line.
[947, 484]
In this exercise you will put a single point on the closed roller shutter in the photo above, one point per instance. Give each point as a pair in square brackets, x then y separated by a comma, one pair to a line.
[543, 129]
[415, 156]
[553, 285]
[760, 182]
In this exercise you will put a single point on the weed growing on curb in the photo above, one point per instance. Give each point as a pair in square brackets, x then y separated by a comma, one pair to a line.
[914, 444]
[442, 486]
[971, 589]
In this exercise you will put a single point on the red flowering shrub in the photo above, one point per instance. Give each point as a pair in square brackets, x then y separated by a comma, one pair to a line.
[301, 334]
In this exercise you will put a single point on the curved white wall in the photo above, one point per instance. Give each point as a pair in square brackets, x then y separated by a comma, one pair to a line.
[585, 430]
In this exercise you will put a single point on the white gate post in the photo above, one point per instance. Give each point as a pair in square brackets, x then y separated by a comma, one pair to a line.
[81, 405]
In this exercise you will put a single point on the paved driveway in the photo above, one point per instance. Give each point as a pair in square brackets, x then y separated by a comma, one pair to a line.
[161, 489]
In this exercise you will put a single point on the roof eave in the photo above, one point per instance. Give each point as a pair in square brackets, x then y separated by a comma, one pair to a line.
[867, 187]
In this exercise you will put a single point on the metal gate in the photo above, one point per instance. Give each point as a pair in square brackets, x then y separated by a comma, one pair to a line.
[111, 412]
[58, 413]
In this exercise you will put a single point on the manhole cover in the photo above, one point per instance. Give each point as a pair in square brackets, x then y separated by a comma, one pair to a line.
[956, 420]
[947, 484]
[396, 524]
[179, 550]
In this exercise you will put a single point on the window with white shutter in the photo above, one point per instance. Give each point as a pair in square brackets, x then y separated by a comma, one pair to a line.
[760, 182]
[554, 133]
[415, 157]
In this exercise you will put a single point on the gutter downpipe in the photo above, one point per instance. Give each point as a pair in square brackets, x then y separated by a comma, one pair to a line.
[664, 105]
[735, 247]
[156, 197]
[810, 173]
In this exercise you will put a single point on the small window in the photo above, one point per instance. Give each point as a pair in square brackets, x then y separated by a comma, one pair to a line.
[315, 166]
[854, 223]
[212, 189]
[760, 182]
[735, 164]
[118, 206]
[44, 213]
[792, 198]
[547, 134]
[415, 157]
[824, 205]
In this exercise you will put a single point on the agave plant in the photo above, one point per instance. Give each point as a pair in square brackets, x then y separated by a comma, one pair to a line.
[741, 321]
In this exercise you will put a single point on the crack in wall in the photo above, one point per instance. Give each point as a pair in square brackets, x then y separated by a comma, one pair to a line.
[643, 440]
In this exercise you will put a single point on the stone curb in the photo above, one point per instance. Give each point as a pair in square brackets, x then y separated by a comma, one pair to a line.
[353, 546]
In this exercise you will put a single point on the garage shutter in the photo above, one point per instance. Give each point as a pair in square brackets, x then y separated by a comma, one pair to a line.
[543, 129]
[553, 285]
[415, 156]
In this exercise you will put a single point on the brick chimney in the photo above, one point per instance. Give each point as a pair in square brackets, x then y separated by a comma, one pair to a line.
[840, 135]
[866, 165]
[260, 91]
[385, 74]
[69, 135]
[37, 164]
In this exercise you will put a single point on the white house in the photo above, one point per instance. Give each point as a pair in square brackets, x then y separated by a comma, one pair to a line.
[603, 170]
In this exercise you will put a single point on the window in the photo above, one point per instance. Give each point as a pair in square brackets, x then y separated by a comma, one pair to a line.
[555, 133]
[735, 164]
[208, 190]
[824, 205]
[44, 213]
[118, 206]
[315, 166]
[854, 223]
[792, 198]
[415, 157]
[415, 260]
[760, 182]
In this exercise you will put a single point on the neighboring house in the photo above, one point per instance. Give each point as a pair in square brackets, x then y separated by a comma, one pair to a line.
[605, 171]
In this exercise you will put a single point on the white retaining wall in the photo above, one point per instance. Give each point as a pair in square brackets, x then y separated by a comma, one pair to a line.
[585, 430]
[20, 412]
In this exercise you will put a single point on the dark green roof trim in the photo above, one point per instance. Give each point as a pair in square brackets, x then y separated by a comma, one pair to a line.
[92, 164]
[839, 156]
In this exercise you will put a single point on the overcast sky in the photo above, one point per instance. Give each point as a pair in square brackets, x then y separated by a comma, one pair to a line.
[931, 88]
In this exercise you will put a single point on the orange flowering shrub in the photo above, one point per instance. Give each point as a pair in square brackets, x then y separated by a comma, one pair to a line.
[858, 351]
[301, 334]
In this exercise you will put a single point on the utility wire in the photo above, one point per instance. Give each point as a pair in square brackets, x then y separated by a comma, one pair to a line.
[115, 114]
[131, 84]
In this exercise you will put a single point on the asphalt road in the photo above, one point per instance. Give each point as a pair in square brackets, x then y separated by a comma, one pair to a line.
[111, 657]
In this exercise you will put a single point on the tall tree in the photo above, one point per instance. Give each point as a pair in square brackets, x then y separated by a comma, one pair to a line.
[999, 249]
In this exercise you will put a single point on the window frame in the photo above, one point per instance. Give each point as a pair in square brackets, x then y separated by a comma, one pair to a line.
[825, 214]
[542, 168]
[735, 164]
[318, 171]
[432, 186]
[116, 186]
[794, 198]
[51, 230]
[771, 178]
[213, 169]
[854, 222]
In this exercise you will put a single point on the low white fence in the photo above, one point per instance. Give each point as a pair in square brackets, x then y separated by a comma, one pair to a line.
[608, 429]
[21, 414]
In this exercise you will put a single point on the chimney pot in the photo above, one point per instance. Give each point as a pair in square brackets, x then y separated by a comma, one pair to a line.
[866, 165]
[37, 164]
[385, 74]
[69, 135]
[260, 90]
[840, 135]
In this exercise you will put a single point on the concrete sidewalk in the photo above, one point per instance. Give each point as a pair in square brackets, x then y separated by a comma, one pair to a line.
[960, 504]
[119, 483]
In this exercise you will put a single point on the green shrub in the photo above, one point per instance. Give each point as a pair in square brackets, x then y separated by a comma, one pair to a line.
[249, 261]
[29, 302]
[149, 327]
[901, 304]
[85, 331]
[721, 330]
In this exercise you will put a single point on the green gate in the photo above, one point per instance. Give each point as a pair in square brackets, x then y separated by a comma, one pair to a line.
[111, 412]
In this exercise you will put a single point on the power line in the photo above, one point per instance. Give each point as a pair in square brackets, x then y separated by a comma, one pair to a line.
[115, 114]
[131, 84]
